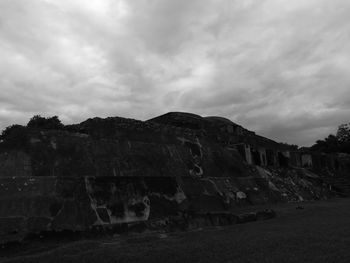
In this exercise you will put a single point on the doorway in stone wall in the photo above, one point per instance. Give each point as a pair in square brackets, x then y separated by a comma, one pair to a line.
[283, 161]
[256, 157]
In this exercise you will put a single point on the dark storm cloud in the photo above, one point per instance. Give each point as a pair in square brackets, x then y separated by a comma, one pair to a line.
[275, 66]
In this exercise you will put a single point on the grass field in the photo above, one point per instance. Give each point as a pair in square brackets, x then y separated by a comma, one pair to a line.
[318, 233]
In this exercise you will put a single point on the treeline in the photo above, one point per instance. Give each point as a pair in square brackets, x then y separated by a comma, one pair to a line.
[340, 142]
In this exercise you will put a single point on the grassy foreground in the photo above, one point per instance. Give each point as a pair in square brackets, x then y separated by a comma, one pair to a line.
[318, 233]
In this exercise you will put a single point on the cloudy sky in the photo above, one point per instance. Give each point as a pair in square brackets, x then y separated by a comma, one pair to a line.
[279, 67]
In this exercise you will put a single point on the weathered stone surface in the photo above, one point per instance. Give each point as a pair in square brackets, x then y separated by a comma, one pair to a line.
[104, 172]
[245, 218]
[35, 204]
[15, 163]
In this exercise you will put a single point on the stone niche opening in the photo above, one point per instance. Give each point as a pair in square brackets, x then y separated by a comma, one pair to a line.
[256, 157]
[270, 157]
[283, 161]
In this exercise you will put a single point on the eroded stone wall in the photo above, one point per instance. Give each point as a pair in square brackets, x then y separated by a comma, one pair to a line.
[111, 171]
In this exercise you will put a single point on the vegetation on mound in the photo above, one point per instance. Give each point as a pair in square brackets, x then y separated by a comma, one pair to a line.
[16, 136]
[335, 143]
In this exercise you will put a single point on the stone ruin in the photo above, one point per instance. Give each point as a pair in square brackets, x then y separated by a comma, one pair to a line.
[111, 172]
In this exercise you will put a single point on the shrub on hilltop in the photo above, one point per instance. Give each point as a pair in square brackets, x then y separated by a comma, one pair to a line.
[14, 137]
[50, 123]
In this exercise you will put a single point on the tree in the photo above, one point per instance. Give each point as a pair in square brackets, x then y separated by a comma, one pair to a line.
[51, 123]
[328, 145]
[335, 143]
[343, 133]
[14, 136]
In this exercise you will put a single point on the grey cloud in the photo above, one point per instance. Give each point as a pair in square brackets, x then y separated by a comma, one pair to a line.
[275, 66]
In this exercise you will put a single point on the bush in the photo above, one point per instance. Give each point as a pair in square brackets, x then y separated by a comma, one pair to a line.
[14, 136]
[51, 123]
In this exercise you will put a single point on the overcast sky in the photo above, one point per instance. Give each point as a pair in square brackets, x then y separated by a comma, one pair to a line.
[278, 67]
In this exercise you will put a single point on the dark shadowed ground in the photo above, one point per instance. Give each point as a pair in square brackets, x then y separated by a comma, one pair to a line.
[318, 233]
